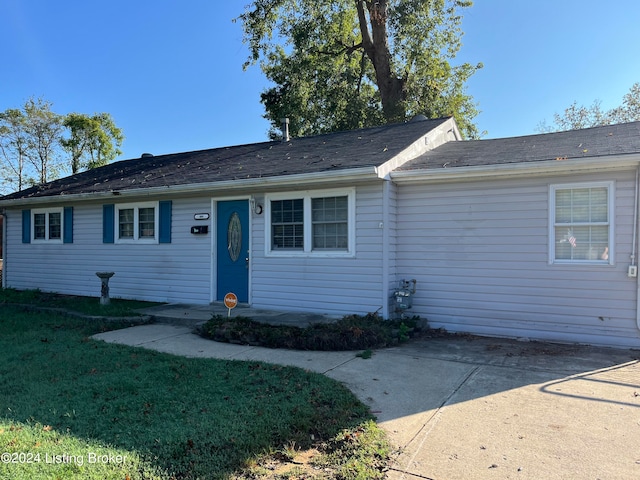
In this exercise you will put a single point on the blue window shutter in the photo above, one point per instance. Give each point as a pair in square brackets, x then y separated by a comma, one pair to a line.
[164, 219]
[26, 226]
[68, 225]
[108, 228]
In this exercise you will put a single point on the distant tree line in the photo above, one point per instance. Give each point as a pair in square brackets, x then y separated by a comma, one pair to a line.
[38, 145]
[577, 116]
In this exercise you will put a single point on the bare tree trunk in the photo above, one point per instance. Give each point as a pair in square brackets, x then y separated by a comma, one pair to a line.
[376, 46]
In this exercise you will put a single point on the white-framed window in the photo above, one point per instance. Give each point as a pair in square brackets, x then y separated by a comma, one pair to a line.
[320, 222]
[136, 222]
[287, 224]
[46, 225]
[581, 223]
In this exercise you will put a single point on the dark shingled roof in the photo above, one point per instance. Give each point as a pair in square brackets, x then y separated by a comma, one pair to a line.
[321, 153]
[590, 142]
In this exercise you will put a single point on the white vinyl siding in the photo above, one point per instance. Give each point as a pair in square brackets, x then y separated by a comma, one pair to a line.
[389, 246]
[324, 283]
[479, 251]
[174, 272]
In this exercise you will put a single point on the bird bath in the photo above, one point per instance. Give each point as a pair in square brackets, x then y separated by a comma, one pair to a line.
[104, 291]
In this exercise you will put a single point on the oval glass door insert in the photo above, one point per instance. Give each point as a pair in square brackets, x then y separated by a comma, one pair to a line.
[234, 237]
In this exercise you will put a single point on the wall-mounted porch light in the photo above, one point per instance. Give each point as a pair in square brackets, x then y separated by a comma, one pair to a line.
[255, 207]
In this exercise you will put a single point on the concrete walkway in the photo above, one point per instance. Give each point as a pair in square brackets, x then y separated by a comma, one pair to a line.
[469, 407]
[192, 315]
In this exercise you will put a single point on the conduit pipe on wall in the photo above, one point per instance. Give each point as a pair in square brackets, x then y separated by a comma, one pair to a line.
[635, 220]
[634, 244]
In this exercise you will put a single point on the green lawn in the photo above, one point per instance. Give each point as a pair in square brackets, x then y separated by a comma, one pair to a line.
[75, 408]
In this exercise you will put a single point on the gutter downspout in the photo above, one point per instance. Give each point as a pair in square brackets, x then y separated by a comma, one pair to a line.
[634, 244]
[635, 220]
[386, 248]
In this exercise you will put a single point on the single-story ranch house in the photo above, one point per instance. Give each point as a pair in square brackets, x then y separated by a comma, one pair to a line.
[532, 236]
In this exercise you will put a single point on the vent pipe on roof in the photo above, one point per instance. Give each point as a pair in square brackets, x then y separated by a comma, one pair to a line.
[285, 129]
[146, 155]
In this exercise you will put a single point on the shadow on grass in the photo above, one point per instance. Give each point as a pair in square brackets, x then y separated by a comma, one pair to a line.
[184, 418]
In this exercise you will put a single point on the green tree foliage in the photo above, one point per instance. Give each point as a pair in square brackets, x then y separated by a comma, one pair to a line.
[13, 148]
[34, 141]
[29, 144]
[43, 129]
[345, 64]
[93, 141]
[576, 116]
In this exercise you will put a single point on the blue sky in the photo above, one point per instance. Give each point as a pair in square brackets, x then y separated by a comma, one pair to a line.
[170, 73]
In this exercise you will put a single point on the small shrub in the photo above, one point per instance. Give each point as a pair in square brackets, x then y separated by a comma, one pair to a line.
[403, 332]
[365, 355]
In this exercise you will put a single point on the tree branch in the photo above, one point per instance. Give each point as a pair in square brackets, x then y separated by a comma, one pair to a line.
[363, 60]
[367, 43]
[346, 49]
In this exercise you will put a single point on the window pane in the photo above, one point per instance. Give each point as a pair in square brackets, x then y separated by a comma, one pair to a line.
[599, 205]
[329, 217]
[581, 224]
[580, 213]
[287, 224]
[599, 213]
[579, 196]
[55, 225]
[39, 226]
[288, 236]
[330, 236]
[125, 223]
[330, 209]
[582, 205]
[563, 214]
[582, 243]
[146, 222]
[563, 198]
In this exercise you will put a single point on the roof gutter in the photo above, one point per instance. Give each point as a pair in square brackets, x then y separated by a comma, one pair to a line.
[529, 169]
[287, 181]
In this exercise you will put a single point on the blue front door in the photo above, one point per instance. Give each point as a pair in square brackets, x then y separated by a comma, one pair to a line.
[232, 252]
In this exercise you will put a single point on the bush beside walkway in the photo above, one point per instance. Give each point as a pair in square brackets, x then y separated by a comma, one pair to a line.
[352, 332]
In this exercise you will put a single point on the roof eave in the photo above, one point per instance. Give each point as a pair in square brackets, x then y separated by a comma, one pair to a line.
[284, 181]
[528, 169]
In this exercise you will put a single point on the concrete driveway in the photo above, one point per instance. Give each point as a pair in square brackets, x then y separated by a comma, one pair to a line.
[470, 407]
